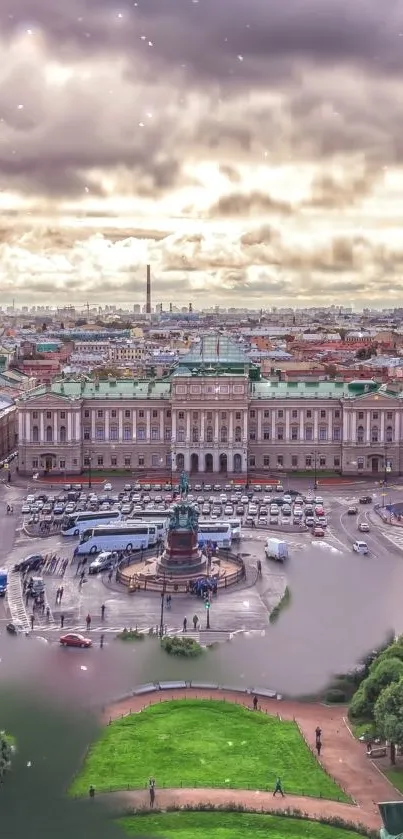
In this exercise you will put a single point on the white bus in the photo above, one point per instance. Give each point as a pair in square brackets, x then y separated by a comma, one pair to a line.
[75, 524]
[150, 514]
[236, 529]
[123, 536]
[217, 532]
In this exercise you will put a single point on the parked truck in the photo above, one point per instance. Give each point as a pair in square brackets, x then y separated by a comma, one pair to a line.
[3, 581]
[276, 549]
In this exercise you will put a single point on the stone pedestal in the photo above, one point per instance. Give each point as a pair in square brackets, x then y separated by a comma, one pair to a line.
[182, 554]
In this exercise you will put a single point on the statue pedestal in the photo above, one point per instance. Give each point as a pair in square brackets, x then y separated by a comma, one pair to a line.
[182, 554]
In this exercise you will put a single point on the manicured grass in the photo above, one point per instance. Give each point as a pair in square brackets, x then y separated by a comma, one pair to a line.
[395, 776]
[218, 825]
[203, 743]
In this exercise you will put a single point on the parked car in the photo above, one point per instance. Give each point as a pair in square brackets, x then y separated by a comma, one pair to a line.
[352, 511]
[74, 639]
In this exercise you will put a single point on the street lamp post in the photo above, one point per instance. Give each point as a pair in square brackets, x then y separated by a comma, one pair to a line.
[89, 471]
[164, 588]
[315, 473]
[208, 612]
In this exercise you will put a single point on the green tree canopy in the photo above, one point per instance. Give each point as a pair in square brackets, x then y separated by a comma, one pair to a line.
[388, 714]
[383, 672]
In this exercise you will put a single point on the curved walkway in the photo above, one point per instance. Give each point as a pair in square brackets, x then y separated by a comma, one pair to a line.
[342, 756]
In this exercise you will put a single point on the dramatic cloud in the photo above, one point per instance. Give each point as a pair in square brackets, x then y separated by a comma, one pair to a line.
[249, 151]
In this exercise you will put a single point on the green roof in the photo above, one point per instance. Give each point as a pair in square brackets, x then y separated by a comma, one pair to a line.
[313, 389]
[113, 389]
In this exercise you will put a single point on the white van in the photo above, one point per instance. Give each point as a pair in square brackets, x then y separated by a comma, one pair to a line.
[360, 547]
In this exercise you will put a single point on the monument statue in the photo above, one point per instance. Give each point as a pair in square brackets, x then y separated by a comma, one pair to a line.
[392, 817]
[184, 485]
[184, 516]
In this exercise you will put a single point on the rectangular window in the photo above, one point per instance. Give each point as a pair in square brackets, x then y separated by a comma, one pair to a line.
[389, 415]
[167, 434]
[223, 415]
[266, 434]
[155, 461]
[114, 461]
[360, 415]
[195, 415]
[141, 460]
[62, 414]
[181, 435]
[237, 415]
[336, 434]
[195, 435]
[141, 414]
[113, 432]
[360, 462]
[127, 432]
[35, 463]
[209, 416]
[141, 434]
[308, 433]
[181, 415]
[113, 414]
[155, 433]
[323, 434]
[266, 461]
[87, 433]
[62, 464]
[100, 461]
[280, 433]
[309, 414]
[308, 461]
[86, 461]
[86, 414]
[48, 414]
[127, 462]
[100, 414]
[252, 460]
[252, 434]
[322, 462]
[323, 414]
[336, 462]
[168, 460]
[266, 414]
[252, 414]
[280, 414]
[155, 414]
[337, 414]
[294, 414]
[99, 433]
[127, 414]
[168, 413]
[374, 415]
[34, 414]
[294, 461]
[294, 433]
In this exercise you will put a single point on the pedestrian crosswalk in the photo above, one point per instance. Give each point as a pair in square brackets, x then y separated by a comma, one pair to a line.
[393, 535]
[204, 638]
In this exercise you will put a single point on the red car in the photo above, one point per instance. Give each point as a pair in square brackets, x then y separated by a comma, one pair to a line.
[318, 531]
[73, 639]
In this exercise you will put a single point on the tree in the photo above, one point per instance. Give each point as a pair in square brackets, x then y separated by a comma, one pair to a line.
[382, 673]
[389, 716]
[5, 754]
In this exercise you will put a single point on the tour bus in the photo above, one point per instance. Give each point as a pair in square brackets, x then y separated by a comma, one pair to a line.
[75, 524]
[123, 536]
[216, 532]
[160, 526]
[236, 528]
[162, 516]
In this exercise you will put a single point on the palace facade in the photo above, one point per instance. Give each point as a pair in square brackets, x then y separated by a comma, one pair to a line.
[214, 414]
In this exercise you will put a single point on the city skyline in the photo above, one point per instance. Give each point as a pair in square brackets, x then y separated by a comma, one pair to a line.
[251, 155]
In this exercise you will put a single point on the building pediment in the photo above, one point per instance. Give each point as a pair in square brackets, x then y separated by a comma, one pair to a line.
[375, 400]
[46, 400]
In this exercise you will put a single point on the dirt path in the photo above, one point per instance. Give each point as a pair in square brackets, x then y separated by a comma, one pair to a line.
[342, 757]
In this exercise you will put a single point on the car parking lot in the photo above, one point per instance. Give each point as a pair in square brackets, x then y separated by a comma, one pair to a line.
[258, 506]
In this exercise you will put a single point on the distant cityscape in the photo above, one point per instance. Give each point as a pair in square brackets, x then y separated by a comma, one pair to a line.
[215, 391]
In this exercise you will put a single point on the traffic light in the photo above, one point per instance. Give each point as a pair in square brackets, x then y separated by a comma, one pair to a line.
[207, 604]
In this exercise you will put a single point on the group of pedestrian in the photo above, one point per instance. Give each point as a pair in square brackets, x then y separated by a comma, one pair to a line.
[55, 565]
[59, 595]
[318, 739]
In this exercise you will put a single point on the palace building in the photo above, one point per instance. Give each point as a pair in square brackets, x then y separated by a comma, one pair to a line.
[214, 414]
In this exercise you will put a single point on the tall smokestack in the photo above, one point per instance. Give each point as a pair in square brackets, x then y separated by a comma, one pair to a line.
[148, 296]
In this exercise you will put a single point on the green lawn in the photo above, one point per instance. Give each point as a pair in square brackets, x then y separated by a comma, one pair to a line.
[203, 743]
[219, 825]
[395, 776]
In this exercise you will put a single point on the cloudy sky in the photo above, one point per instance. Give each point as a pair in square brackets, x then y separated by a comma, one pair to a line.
[250, 151]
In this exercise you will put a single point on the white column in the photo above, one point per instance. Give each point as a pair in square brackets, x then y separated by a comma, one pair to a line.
[397, 427]
[162, 435]
[148, 425]
[188, 440]
[106, 425]
[92, 426]
[173, 418]
[120, 421]
[330, 426]
[21, 435]
[273, 425]
[216, 431]
[301, 425]
[245, 425]
[315, 426]
[259, 426]
[187, 460]
[368, 427]
[382, 438]
[353, 427]
[78, 426]
[42, 428]
[28, 431]
[231, 429]
[202, 419]
[216, 462]
[287, 424]
[134, 415]
[69, 431]
[345, 426]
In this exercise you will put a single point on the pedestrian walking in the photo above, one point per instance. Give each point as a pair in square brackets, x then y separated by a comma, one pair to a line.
[47, 614]
[195, 622]
[255, 703]
[43, 607]
[57, 596]
[101, 641]
[61, 621]
[151, 788]
[185, 624]
[278, 788]
[88, 621]
[103, 611]
[110, 575]
[318, 746]
[32, 621]
[61, 590]
[91, 792]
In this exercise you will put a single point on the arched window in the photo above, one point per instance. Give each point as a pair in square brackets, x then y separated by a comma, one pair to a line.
[238, 435]
[374, 434]
[180, 462]
[224, 434]
[360, 434]
[209, 434]
[35, 434]
[62, 433]
[49, 434]
[389, 434]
